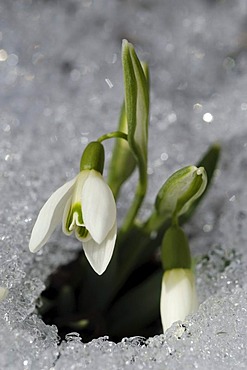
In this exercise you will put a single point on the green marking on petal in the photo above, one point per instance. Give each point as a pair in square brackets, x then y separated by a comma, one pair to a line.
[67, 222]
[81, 232]
[74, 222]
[76, 208]
[74, 217]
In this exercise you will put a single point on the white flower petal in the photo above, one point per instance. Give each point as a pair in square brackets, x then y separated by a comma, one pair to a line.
[98, 206]
[99, 255]
[50, 216]
[81, 178]
[3, 293]
[178, 296]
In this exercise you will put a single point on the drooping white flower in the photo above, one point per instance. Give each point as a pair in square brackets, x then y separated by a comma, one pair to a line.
[84, 205]
[178, 296]
[3, 293]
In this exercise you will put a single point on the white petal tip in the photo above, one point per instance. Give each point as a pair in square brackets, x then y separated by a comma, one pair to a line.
[33, 248]
[98, 262]
[99, 255]
[99, 271]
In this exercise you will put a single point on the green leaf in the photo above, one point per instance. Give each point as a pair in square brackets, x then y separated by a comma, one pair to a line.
[209, 161]
[66, 301]
[123, 162]
[136, 104]
[136, 83]
[78, 325]
[136, 309]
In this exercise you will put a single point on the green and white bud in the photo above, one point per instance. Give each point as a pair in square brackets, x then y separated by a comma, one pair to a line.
[178, 293]
[178, 296]
[180, 191]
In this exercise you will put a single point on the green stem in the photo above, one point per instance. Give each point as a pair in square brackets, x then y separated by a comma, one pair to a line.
[127, 255]
[132, 251]
[114, 134]
[136, 204]
[154, 222]
[174, 219]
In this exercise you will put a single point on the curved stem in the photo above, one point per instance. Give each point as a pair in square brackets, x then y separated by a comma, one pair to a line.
[114, 134]
[153, 223]
[175, 219]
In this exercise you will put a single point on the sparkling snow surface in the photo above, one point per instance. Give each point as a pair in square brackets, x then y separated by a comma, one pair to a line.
[61, 86]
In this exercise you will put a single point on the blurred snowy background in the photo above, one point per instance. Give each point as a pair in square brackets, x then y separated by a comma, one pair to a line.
[61, 86]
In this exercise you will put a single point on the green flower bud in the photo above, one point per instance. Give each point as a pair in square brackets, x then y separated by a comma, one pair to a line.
[180, 191]
[93, 157]
[136, 82]
[175, 251]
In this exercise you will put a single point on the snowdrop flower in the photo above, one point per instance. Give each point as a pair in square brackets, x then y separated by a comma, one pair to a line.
[178, 296]
[86, 206]
[178, 293]
[3, 293]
